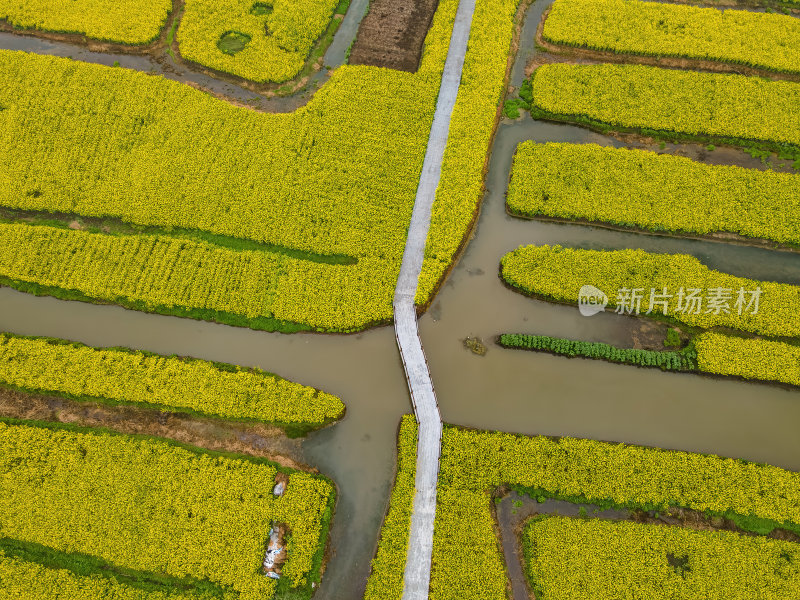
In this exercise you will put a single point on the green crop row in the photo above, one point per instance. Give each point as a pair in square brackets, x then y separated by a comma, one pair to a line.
[709, 352]
[123, 21]
[668, 361]
[388, 567]
[158, 507]
[749, 358]
[473, 463]
[171, 383]
[568, 558]
[760, 40]
[673, 102]
[657, 192]
[277, 35]
[469, 139]
[557, 274]
[20, 578]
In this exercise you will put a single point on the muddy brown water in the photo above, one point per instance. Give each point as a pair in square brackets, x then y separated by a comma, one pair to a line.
[508, 390]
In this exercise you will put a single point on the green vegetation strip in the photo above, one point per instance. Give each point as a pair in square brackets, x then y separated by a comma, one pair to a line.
[122, 21]
[388, 567]
[592, 559]
[259, 41]
[678, 104]
[159, 507]
[557, 274]
[655, 192]
[609, 475]
[766, 41]
[70, 369]
[668, 361]
[708, 352]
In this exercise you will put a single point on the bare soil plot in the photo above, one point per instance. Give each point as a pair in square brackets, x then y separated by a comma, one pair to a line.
[392, 34]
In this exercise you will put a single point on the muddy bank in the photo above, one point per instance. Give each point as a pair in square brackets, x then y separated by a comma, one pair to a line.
[251, 439]
[392, 34]
[721, 237]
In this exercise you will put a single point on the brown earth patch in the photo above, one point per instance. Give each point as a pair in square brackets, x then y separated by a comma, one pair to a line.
[243, 438]
[392, 34]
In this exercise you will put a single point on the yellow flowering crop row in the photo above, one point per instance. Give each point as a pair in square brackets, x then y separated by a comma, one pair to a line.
[765, 360]
[475, 462]
[281, 34]
[557, 274]
[658, 192]
[32, 581]
[76, 370]
[568, 558]
[388, 567]
[177, 276]
[123, 21]
[471, 129]
[767, 41]
[156, 507]
[674, 101]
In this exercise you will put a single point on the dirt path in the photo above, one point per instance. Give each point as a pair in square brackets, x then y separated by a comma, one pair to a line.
[213, 434]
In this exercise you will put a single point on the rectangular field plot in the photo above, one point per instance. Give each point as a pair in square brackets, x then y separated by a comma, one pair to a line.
[153, 507]
[766, 41]
[568, 558]
[688, 103]
[50, 366]
[123, 21]
[557, 274]
[656, 192]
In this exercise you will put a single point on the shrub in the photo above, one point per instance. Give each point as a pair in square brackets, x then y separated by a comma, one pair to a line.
[667, 361]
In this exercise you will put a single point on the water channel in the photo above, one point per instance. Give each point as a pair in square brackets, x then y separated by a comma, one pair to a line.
[505, 389]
